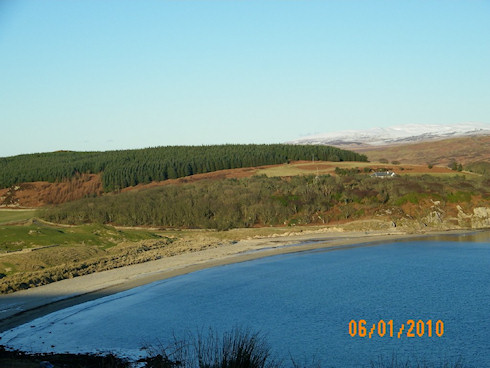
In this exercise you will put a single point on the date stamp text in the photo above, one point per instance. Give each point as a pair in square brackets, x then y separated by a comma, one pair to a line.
[410, 328]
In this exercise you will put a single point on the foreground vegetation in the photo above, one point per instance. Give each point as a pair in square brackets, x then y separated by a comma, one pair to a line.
[264, 201]
[121, 169]
[237, 348]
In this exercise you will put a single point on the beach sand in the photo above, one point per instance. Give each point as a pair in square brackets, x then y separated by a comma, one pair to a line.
[26, 305]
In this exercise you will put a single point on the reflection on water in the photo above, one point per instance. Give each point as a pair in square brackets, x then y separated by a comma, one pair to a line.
[477, 236]
[482, 236]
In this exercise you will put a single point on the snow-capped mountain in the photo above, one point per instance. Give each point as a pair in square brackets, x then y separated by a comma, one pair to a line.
[410, 133]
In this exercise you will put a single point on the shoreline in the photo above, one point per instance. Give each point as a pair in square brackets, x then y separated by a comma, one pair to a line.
[26, 305]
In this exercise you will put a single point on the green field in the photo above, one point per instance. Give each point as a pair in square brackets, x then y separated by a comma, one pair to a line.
[8, 215]
[324, 168]
[39, 235]
[35, 253]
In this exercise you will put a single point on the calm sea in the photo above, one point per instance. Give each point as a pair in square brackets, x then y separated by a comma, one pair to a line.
[303, 303]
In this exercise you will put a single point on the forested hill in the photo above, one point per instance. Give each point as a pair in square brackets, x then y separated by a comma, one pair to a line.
[125, 168]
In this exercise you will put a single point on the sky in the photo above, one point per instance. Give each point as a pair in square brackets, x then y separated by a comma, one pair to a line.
[102, 75]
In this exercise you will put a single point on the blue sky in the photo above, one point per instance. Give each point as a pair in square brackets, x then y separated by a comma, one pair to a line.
[103, 75]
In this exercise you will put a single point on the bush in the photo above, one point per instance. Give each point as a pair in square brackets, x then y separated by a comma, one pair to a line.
[459, 197]
[237, 348]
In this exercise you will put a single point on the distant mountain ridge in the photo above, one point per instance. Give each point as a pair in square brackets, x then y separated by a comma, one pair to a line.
[410, 133]
[463, 149]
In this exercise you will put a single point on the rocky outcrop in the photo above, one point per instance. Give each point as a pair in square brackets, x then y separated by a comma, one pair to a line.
[480, 218]
[434, 218]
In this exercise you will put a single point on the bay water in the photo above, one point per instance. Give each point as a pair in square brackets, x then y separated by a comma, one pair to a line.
[308, 305]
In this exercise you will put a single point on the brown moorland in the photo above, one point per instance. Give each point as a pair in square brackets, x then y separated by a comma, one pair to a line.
[463, 150]
[41, 193]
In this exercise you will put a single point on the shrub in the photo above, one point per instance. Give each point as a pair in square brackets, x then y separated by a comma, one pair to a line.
[410, 197]
[238, 348]
[459, 197]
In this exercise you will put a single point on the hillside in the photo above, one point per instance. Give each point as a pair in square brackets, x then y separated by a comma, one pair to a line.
[463, 150]
[43, 193]
[274, 201]
[160, 219]
[121, 169]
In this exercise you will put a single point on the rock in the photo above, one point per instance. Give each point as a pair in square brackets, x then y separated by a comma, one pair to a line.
[464, 220]
[434, 218]
[481, 217]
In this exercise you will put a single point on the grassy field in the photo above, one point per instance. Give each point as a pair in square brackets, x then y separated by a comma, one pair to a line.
[306, 168]
[8, 215]
[324, 168]
[35, 234]
[35, 248]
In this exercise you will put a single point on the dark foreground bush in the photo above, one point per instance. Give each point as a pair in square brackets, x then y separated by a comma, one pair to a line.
[234, 349]
[17, 359]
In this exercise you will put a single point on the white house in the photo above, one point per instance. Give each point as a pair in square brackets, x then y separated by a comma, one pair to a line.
[383, 174]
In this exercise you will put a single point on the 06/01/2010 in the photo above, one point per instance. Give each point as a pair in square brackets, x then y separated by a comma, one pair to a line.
[413, 329]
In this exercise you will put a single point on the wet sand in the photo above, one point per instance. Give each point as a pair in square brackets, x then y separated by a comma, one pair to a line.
[26, 305]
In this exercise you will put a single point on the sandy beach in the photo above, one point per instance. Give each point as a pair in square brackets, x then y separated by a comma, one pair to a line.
[26, 305]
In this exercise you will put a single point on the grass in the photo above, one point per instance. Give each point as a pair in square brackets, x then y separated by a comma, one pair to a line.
[412, 198]
[467, 175]
[35, 253]
[286, 170]
[238, 348]
[36, 234]
[324, 168]
[459, 196]
[8, 215]
[306, 168]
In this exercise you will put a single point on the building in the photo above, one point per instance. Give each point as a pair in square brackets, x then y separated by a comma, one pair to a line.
[383, 174]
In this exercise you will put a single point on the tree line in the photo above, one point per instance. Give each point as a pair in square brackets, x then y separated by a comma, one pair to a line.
[264, 201]
[121, 169]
